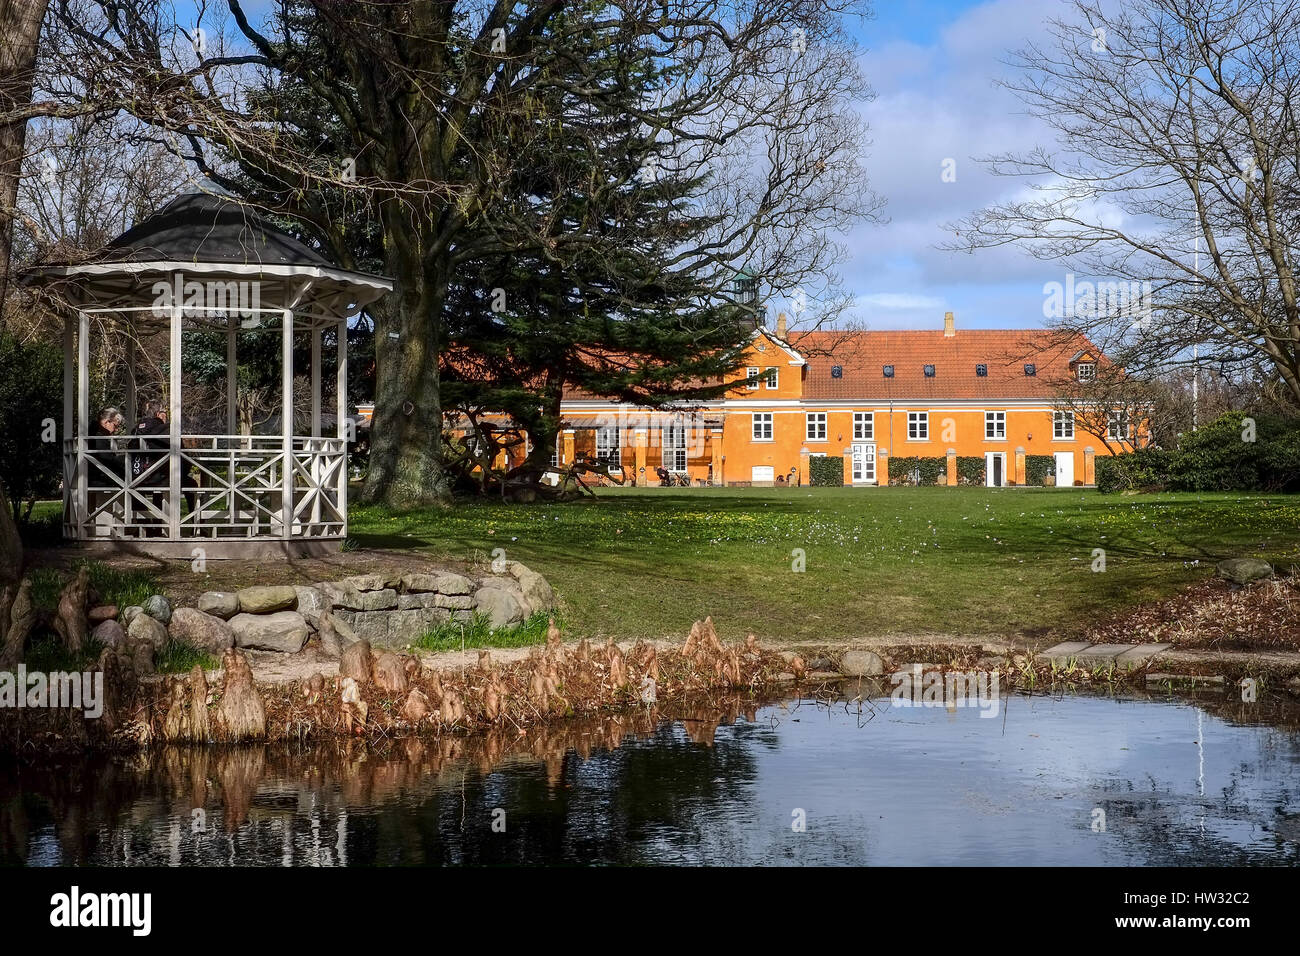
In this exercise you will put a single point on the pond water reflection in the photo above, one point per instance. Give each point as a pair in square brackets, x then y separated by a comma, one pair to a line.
[1177, 782]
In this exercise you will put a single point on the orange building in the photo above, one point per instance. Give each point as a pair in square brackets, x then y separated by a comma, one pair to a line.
[870, 397]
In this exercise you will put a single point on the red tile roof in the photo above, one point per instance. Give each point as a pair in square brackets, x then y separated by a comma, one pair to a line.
[1005, 352]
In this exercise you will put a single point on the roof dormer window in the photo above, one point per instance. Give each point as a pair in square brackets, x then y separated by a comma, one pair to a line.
[887, 371]
[982, 370]
[1086, 371]
[1031, 369]
[928, 370]
[837, 371]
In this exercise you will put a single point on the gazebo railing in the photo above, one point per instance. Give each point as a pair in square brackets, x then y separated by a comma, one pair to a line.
[231, 487]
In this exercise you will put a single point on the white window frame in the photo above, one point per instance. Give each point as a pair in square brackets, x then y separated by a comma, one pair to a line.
[1113, 421]
[612, 453]
[555, 453]
[1091, 374]
[1062, 426]
[815, 426]
[751, 377]
[864, 426]
[674, 446]
[772, 376]
[995, 426]
[761, 422]
[918, 426]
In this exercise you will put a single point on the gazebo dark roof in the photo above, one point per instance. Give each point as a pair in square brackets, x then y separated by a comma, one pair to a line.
[200, 227]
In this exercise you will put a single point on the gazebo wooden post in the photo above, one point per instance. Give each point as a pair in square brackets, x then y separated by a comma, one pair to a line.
[315, 381]
[83, 411]
[130, 413]
[286, 421]
[69, 406]
[341, 419]
[174, 422]
[232, 375]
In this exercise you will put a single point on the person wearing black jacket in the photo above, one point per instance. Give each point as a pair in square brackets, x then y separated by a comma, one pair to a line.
[151, 433]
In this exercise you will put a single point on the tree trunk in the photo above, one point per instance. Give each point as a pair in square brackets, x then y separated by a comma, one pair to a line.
[20, 29]
[406, 467]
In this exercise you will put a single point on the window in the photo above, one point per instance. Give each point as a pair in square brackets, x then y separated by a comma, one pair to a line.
[762, 426]
[982, 370]
[1086, 371]
[771, 376]
[1031, 369]
[555, 453]
[837, 371]
[995, 425]
[751, 378]
[1118, 426]
[864, 426]
[1062, 424]
[607, 446]
[887, 371]
[816, 422]
[918, 426]
[928, 370]
[675, 447]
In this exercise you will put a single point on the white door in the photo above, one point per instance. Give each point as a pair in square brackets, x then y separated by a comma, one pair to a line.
[1064, 469]
[864, 463]
[995, 469]
[765, 473]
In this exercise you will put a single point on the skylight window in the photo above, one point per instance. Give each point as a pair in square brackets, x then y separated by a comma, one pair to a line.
[887, 371]
[929, 371]
[982, 370]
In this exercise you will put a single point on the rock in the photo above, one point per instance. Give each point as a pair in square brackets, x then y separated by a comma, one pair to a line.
[861, 664]
[389, 673]
[372, 582]
[335, 635]
[356, 662]
[1243, 570]
[222, 604]
[311, 602]
[266, 599]
[158, 608]
[340, 595]
[377, 600]
[536, 590]
[454, 602]
[406, 627]
[140, 653]
[451, 583]
[409, 602]
[501, 607]
[284, 631]
[241, 714]
[129, 614]
[147, 629]
[105, 612]
[205, 631]
[416, 707]
[417, 583]
[368, 625]
[110, 634]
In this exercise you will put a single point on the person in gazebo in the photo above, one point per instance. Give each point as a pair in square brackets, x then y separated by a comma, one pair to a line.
[152, 424]
[103, 449]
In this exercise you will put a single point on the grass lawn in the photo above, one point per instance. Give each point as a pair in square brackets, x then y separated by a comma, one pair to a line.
[888, 561]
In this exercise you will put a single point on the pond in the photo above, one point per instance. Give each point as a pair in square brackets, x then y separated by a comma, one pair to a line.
[1052, 780]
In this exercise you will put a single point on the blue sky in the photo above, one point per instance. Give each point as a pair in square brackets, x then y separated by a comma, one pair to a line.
[933, 65]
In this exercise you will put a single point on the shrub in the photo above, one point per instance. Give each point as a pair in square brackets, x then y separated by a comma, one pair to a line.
[826, 470]
[970, 470]
[1222, 457]
[1145, 468]
[910, 469]
[1038, 467]
[31, 394]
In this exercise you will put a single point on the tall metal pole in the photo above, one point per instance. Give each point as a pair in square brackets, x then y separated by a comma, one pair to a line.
[1196, 354]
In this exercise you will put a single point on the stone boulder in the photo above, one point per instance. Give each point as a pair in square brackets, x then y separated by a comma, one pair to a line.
[98, 615]
[129, 614]
[267, 599]
[283, 631]
[502, 606]
[158, 608]
[536, 589]
[417, 583]
[452, 583]
[109, 633]
[1242, 571]
[205, 631]
[146, 629]
[311, 602]
[222, 604]
[372, 582]
[861, 664]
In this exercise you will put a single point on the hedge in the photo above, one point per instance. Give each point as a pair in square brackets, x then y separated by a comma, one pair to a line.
[1221, 456]
[970, 469]
[826, 470]
[904, 468]
[1038, 467]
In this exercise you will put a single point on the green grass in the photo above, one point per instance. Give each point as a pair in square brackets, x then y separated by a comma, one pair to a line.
[121, 586]
[47, 652]
[976, 561]
[475, 633]
[179, 657]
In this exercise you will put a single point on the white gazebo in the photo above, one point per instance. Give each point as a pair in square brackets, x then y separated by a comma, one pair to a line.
[206, 262]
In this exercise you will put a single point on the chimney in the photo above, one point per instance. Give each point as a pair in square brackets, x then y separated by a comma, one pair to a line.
[780, 326]
[948, 330]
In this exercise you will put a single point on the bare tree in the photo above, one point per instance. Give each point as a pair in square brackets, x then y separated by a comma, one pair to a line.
[1177, 168]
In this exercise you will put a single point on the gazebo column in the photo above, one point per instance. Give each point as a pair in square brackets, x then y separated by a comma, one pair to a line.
[340, 421]
[83, 413]
[286, 422]
[232, 377]
[315, 381]
[174, 423]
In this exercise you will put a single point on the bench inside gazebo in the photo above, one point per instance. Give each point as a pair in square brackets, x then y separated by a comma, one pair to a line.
[205, 263]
